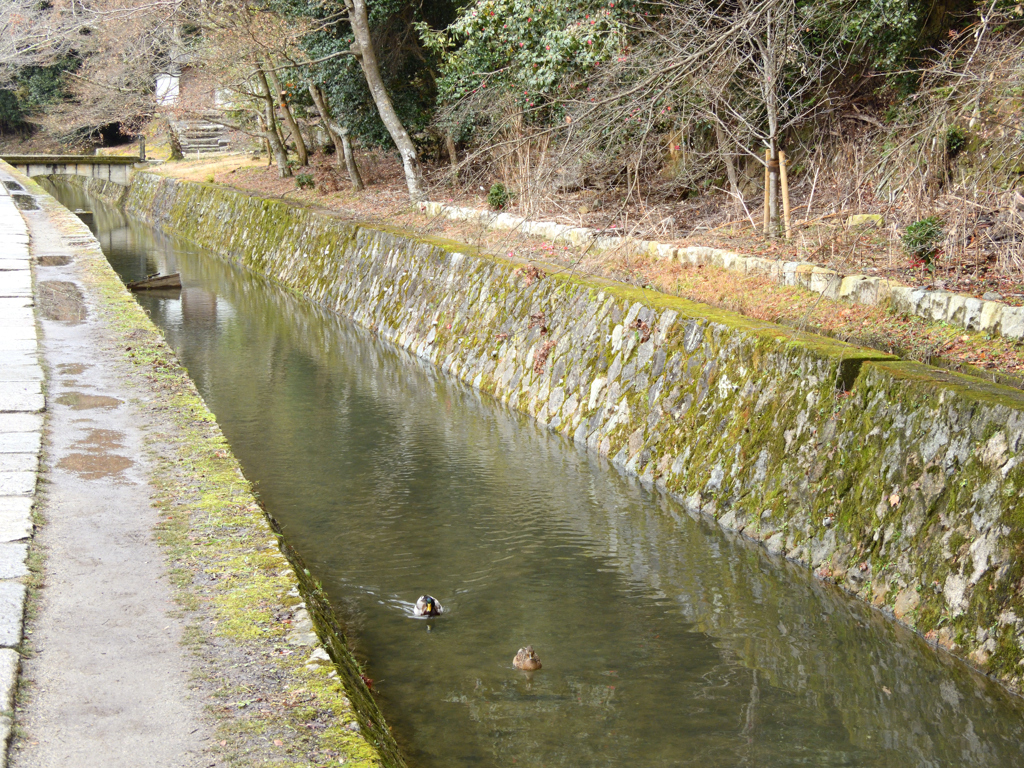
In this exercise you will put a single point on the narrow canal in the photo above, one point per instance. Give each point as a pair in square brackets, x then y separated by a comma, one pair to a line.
[665, 641]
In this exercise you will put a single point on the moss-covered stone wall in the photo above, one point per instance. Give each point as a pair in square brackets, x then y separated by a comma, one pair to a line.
[901, 482]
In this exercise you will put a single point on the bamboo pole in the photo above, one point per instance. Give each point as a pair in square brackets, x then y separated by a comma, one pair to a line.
[785, 194]
[767, 189]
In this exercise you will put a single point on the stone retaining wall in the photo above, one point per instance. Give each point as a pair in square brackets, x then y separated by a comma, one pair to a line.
[899, 481]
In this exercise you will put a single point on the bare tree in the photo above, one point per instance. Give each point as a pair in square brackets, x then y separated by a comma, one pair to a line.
[339, 135]
[364, 52]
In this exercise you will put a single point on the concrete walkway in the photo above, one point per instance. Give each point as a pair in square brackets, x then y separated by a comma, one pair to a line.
[21, 424]
[106, 680]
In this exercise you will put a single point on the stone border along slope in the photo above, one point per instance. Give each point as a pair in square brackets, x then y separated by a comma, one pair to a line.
[21, 425]
[940, 306]
[247, 572]
[901, 482]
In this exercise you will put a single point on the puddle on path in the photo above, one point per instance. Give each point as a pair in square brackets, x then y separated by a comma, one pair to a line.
[25, 203]
[100, 440]
[62, 301]
[93, 466]
[73, 369]
[81, 401]
[53, 260]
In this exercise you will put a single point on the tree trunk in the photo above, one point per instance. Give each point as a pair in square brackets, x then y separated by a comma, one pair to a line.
[271, 128]
[339, 135]
[449, 144]
[175, 141]
[773, 188]
[725, 150]
[363, 49]
[300, 144]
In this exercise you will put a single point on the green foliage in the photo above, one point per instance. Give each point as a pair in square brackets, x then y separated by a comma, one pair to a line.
[499, 196]
[528, 46]
[956, 140]
[304, 181]
[923, 238]
[406, 67]
[35, 88]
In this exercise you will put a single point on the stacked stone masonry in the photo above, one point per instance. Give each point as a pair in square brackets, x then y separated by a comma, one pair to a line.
[900, 482]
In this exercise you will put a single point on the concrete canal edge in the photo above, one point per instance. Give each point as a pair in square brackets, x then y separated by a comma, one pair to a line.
[899, 482]
[245, 591]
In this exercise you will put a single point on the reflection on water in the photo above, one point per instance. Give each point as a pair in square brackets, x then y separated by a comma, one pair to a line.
[665, 641]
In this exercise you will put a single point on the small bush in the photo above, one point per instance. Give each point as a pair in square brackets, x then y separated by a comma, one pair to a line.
[923, 238]
[956, 140]
[304, 181]
[499, 196]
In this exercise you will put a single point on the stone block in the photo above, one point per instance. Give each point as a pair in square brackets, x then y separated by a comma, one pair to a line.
[1011, 322]
[866, 220]
[825, 281]
[12, 560]
[758, 266]
[15, 344]
[19, 462]
[20, 422]
[905, 299]
[15, 284]
[789, 272]
[17, 483]
[990, 316]
[21, 396]
[666, 251]
[934, 305]
[12, 612]
[21, 372]
[15, 518]
[802, 273]
[10, 662]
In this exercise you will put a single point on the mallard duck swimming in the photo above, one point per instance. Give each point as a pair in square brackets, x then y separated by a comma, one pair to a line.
[526, 659]
[427, 606]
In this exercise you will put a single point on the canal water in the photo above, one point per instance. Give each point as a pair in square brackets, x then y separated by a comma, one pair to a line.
[665, 641]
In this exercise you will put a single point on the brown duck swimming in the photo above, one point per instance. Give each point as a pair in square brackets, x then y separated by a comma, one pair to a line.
[526, 659]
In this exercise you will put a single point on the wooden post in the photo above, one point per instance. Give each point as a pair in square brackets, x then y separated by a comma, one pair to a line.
[785, 194]
[767, 190]
[142, 149]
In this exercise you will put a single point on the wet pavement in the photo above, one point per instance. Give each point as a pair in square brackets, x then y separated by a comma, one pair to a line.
[21, 424]
[103, 671]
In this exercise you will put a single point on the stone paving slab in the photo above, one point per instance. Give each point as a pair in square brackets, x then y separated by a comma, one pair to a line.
[12, 611]
[14, 307]
[16, 283]
[17, 483]
[28, 345]
[21, 396]
[7, 262]
[19, 462]
[9, 663]
[21, 422]
[21, 372]
[18, 331]
[19, 442]
[15, 518]
[13, 557]
[6, 342]
[12, 357]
